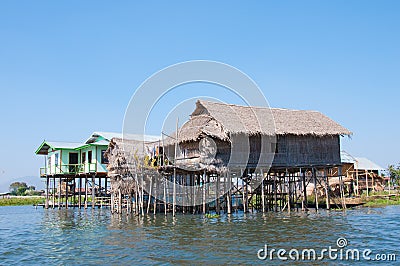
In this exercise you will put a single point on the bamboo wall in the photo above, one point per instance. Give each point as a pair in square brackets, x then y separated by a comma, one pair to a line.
[291, 151]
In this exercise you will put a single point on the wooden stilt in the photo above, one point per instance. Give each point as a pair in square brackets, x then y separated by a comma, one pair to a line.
[174, 193]
[165, 196]
[314, 173]
[119, 201]
[93, 192]
[142, 195]
[204, 192]
[275, 188]
[341, 187]
[193, 177]
[80, 193]
[217, 207]
[137, 205]
[327, 189]
[86, 191]
[54, 192]
[112, 203]
[149, 201]
[303, 179]
[366, 182]
[59, 193]
[66, 193]
[229, 194]
[243, 191]
[288, 190]
[47, 193]
[155, 194]
[74, 193]
[262, 191]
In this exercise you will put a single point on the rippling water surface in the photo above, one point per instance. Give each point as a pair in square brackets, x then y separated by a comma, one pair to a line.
[92, 237]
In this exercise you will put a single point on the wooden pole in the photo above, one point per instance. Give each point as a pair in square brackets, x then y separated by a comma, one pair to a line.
[194, 194]
[66, 193]
[217, 207]
[119, 201]
[229, 196]
[341, 187]
[74, 192]
[112, 203]
[275, 193]
[149, 201]
[243, 191]
[165, 197]
[47, 193]
[262, 191]
[174, 180]
[137, 206]
[86, 191]
[366, 182]
[142, 194]
[204, 192]
[303, 179]
[59, 193]
[327, 188]
[93, 191]
[54, 192]
[314, 172]
[155, 193]
[288, 200]
[80, 193]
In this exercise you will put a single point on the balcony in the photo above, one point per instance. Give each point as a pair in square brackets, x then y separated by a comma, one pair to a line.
[69, 169]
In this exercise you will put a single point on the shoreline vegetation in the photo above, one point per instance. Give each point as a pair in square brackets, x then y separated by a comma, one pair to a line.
[380, 199]
[21, 200]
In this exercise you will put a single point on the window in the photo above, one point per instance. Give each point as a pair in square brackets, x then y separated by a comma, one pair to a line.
[89, 154]
[56, 159]
[83, 157]
[104, 160]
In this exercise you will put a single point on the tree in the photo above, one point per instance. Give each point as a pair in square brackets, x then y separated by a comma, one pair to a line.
[394, 173]
[18, 188]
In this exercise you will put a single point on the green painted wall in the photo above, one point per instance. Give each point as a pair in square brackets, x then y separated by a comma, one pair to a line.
[63, 161]
[63, 165]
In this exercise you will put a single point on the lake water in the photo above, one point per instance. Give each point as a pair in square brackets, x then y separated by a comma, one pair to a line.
[30, 236]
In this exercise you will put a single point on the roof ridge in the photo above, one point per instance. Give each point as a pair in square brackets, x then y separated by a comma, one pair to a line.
[259, 107]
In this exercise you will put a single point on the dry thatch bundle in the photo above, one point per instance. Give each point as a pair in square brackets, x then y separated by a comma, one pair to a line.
[221, 121]
[127, 161]
[250, 120]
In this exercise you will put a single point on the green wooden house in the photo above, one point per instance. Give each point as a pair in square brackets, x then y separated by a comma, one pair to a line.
[78, 170]
[71, 158]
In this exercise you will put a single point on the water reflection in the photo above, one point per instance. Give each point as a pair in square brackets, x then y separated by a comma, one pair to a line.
[89, 236]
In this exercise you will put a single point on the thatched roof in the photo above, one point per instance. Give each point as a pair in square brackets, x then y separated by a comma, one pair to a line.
[222, 120]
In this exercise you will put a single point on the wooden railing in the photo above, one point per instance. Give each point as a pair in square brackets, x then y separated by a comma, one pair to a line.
[67, 169]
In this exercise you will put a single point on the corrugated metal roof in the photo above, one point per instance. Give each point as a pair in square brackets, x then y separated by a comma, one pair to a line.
[101, 142]
[365, 164]
[44, 147]
[64, 145]
[360, 163]
[109, 135]
[106, 135]
[346, 157]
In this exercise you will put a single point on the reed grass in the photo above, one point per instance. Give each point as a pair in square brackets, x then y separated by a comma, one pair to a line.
[21, 201]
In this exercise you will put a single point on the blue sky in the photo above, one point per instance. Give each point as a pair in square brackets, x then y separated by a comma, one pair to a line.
[68, 68]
